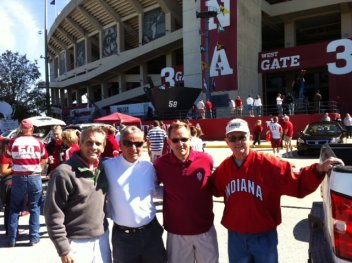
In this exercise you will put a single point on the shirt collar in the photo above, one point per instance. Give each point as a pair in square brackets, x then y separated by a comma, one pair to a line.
[190, 158]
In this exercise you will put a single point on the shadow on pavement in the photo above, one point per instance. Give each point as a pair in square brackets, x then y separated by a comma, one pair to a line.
[301, 230]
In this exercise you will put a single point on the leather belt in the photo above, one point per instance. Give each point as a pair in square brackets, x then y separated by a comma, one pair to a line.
[34, 174]
[134, 230]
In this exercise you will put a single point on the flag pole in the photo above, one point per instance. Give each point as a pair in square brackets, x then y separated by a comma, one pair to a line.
[47, 94]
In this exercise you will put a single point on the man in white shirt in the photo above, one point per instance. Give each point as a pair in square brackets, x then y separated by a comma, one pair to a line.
[250, 102]
[201, 108]
[279, 104]
[276, 135]
[137, 234]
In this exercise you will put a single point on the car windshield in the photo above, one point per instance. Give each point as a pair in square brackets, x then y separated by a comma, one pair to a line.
[321, 129]
[6, 133]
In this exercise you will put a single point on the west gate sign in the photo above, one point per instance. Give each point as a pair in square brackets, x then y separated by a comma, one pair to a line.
[335, 56]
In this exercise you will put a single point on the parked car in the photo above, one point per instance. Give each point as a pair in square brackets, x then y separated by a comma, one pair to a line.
[316, 134]
[330, 220]
[9, 134]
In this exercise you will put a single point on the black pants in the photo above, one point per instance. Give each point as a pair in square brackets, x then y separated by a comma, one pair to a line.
[142, 246]
[256, 138]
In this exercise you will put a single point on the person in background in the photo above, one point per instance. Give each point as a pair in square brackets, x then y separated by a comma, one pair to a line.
[56, 149]
[209, 109]
[196, 142]
[70, 139]
[28, 156]
[257, 132]
[188, 204]
[239, 106]
[194, 112]
[337, 117]
[252, 184]
[112, 148]
[258, 106]
[279, 104]
[276, 136]
[201, 109]
[6, 182]
[155, 141]
[325, 117]
[163, 126]
[288, 134]
[289, 101]
[118, 131]
[232, 107]
[317, 100]
[250, 102]
[347, 122]
[137, 234]
[74, 207]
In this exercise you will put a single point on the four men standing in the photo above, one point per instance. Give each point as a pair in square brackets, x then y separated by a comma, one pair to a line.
[78, 187]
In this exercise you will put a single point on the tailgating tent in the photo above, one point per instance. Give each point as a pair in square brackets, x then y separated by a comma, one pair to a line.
[119, 118]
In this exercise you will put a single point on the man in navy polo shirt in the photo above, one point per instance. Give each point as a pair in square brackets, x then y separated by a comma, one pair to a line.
[188, 204]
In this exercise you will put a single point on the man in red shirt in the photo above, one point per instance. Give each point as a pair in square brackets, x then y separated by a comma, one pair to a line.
[209, 108]
[56, 149]
[239, 106]
[252, 184]
[288, 134]
[188, 204]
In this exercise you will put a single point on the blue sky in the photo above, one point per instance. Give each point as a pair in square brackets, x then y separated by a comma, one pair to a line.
[20, 24]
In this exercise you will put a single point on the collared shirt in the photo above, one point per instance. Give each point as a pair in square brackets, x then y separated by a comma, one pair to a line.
[188, 202]
[131, 189]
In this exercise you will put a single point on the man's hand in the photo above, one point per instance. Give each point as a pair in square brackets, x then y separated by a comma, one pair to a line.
[67, 259]
[327, 165]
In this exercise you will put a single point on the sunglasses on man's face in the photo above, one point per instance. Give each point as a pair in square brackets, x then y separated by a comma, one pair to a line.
[177, 140]
[130, 144]
[241, 138]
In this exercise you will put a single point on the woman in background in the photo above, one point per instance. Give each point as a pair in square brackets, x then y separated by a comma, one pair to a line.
[70, 139]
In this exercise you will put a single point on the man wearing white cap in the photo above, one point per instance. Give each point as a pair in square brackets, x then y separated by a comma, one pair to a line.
[252, 184]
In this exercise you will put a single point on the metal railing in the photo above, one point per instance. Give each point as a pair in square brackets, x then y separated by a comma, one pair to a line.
[226, 112]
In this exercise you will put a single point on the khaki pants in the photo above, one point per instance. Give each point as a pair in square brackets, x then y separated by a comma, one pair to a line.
[190, 248]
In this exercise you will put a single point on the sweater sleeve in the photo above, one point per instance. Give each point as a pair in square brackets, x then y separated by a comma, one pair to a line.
[300, 182]
[55, 202]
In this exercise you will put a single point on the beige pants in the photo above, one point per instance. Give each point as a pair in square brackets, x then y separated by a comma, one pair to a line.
[202, 248]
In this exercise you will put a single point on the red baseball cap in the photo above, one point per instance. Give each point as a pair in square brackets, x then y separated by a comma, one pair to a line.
[26, 124]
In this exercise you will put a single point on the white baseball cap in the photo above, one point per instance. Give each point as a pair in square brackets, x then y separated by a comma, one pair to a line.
[237, 125]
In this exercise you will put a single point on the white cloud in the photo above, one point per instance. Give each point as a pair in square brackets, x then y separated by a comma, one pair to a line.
[7, 40]
[19, 28]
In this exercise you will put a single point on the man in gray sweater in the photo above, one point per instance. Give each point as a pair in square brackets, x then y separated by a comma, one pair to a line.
[75, 204]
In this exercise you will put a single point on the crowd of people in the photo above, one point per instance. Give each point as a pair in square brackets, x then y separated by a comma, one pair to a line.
[86, 187]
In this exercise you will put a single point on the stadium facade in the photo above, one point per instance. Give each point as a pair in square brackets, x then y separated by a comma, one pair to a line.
[106, 50]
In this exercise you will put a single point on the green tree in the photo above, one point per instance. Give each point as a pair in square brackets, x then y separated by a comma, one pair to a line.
[19, 87]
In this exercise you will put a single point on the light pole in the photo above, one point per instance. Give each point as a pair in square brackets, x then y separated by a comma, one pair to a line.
[207, 15]
[47, 91]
